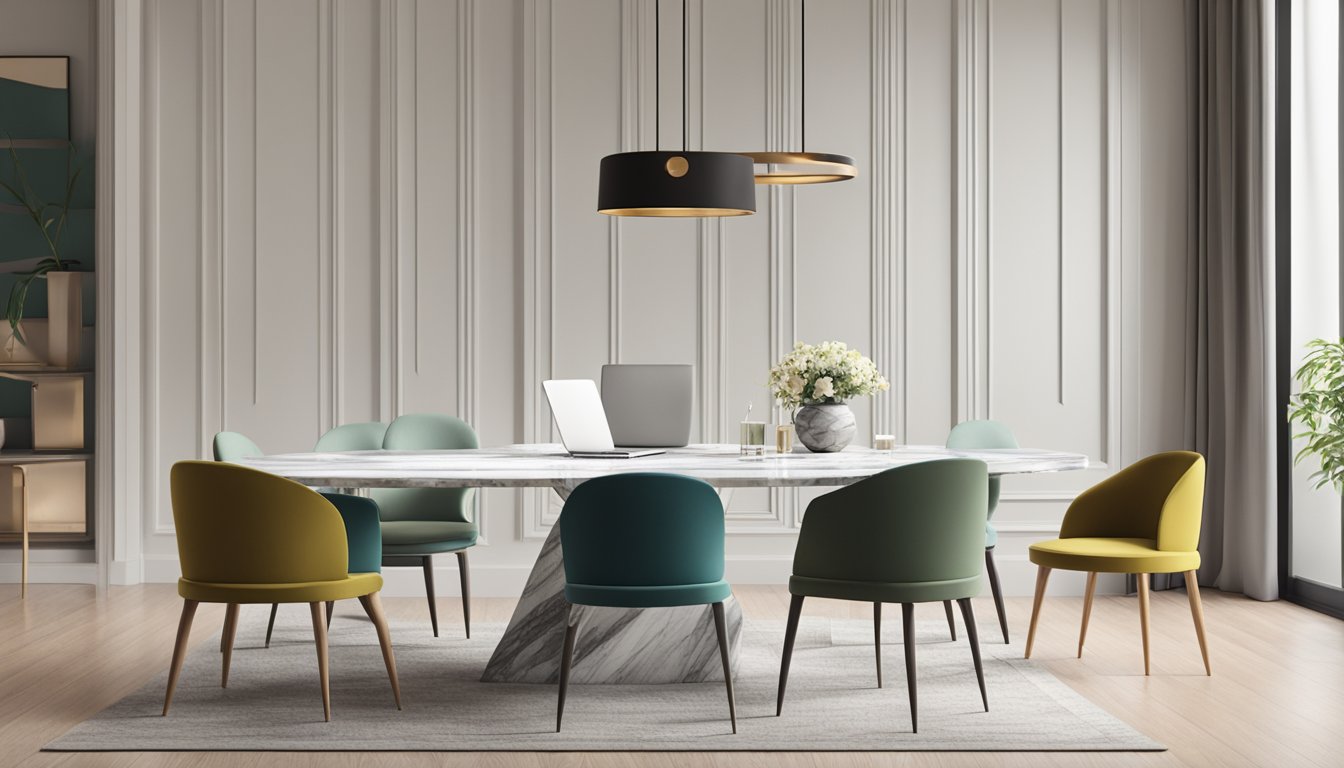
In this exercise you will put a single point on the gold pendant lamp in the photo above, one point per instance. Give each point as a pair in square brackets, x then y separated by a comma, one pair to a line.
[802, 167]
[681, 183]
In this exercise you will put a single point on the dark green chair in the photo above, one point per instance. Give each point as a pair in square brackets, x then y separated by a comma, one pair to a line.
[908, 535]
[643, 540]
[977, 435]
[419, 523]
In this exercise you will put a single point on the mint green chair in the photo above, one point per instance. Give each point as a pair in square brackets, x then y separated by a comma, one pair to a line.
[643, 540]
[908, 535]
[989, 434]
[360, 436]
[419, 523]
[234, 447]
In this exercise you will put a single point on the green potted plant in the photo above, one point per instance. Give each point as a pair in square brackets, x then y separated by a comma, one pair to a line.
[64, 293]
[1318, 408]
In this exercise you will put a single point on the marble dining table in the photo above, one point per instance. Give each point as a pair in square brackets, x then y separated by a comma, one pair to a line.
[618, 645]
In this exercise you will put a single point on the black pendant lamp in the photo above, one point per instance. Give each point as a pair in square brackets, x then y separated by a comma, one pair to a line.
[802, 167]
[681, 183]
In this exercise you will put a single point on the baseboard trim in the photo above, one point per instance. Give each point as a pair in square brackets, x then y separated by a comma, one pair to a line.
[51, 573]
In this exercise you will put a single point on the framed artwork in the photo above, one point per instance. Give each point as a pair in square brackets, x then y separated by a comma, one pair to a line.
[35, 98]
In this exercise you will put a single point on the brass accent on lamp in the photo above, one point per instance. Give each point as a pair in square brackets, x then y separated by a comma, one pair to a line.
[802, 167]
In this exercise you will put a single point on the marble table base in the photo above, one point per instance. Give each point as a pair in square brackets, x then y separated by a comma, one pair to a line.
[614, 645]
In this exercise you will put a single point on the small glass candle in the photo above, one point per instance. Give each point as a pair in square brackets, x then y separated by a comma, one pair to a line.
[753, 439]
[884, 443]
[784, 438]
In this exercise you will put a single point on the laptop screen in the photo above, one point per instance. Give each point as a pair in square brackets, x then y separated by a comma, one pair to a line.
[577, 408]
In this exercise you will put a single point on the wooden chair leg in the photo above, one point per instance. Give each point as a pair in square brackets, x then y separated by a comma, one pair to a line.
[226, 641]
[951, 625]
[373, 606]
[1197, 611]
[790, 633]
[1042, 576]
[566, 663]
[428, 565]
[968, 616]
[721, 630]
[908, 637]
[992, 571]
[877, 639]
[465, 574]
[270, 624]
[179, 650]
[1142, 579]
[1087, 609]
[320, 636]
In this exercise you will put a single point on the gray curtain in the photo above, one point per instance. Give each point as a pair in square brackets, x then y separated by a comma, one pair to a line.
[1230, 319]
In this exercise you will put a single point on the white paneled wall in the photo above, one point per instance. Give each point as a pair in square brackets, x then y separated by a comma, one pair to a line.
[350, 210]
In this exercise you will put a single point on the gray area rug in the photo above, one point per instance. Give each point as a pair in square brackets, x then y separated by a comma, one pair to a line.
[273, 700]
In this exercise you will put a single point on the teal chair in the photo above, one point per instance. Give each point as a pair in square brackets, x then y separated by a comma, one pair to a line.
[419, 523]
[987, 434]
[643, 540]
[908, 535]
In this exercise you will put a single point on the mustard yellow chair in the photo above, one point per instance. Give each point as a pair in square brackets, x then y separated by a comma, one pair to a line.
[245, 537]
[1142, 520]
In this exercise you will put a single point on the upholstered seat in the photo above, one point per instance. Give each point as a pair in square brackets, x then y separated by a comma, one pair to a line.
[649, 596]
[352, 586]
[419, 537]
[1111, 556]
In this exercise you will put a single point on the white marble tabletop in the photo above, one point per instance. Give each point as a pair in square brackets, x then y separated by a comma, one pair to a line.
[548, 466]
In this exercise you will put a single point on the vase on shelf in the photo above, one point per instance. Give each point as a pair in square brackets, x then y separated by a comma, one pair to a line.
[65, 313]
[824, 427]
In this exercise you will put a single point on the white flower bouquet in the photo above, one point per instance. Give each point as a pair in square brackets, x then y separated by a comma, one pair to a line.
[829, 372]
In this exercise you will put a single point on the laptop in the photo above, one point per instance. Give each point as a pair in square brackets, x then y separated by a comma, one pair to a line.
[582, 422]
[648, 405]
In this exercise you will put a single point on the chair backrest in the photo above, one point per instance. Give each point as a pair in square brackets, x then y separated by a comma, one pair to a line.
[232, 446]
[238, 525]
[425, 432]
[1160, 497]
[361, 436]
[917, 523]
[983, 433]
[642, 529]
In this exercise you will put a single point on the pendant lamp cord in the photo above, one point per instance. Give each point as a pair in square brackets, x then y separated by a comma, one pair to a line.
[685, 57]
[802, 76]
[657, 76]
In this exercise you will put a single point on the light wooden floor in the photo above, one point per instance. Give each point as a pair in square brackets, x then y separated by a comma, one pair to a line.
[1276, 698]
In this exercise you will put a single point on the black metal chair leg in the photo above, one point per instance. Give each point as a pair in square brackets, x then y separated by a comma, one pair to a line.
[465, 575]
[428, 564]
[721, 629]
[951, 625]
[968, 615]
[908, 633]
[791, 632]
[993, 573]
[566, 662]
[270, 625]
[877, 639]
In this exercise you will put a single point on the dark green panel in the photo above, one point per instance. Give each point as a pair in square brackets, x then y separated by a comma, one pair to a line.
[21, 239]
[30, 111]
[45, 169]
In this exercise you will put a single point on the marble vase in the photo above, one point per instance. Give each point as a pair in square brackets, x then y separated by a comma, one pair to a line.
[825, 427]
